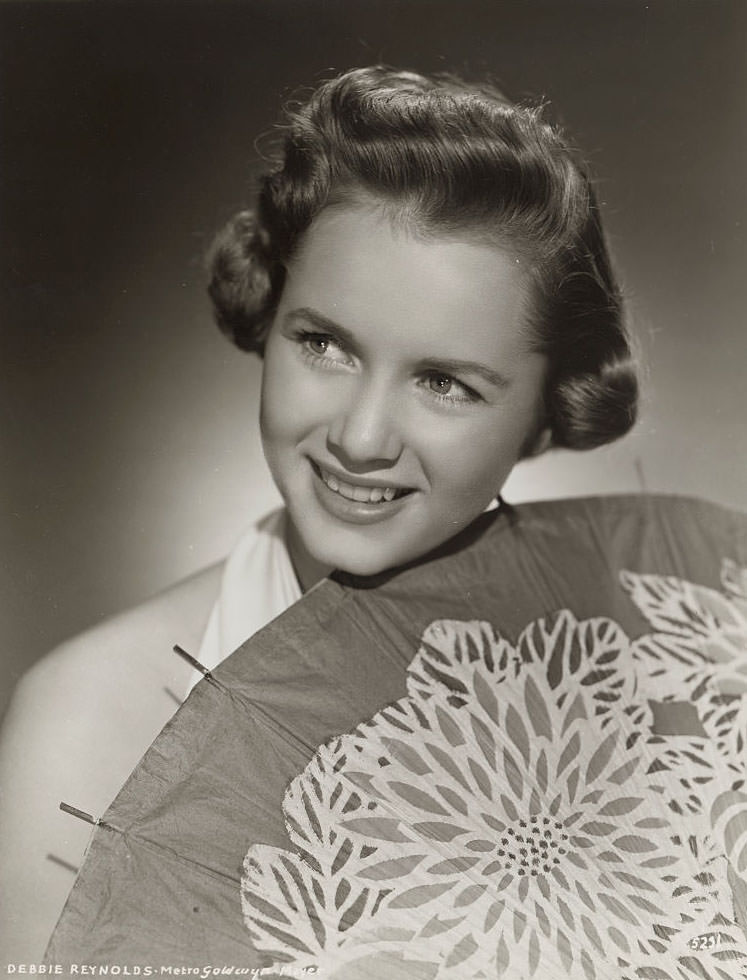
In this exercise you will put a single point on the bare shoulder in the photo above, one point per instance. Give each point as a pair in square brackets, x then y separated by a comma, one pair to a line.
[78, 723]
[129, 642]
[95, 694]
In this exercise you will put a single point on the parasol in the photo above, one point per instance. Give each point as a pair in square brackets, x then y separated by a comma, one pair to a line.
[524, 757]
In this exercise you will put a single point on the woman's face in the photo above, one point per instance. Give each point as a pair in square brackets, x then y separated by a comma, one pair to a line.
[398, 390]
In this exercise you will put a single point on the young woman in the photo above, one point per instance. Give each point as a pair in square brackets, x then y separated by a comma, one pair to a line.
[426, 279]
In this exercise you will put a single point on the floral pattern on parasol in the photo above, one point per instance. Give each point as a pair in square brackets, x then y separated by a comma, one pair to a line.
[700, 633]
[515, 814]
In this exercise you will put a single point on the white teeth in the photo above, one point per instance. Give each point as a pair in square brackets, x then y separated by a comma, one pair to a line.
[368, 495]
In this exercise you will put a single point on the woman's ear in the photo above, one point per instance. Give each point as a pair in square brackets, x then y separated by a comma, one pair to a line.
[542, 442]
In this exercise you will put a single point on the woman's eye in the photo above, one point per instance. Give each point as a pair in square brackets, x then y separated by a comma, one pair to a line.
[323, 347]
[318, 345]
[441, 384]
[448, 389]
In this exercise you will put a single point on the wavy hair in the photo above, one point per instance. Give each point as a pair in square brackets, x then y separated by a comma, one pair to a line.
[450, 159]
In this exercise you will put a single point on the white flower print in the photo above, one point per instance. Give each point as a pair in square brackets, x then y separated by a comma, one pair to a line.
[700, 636]
[699, 654]
[508, 817]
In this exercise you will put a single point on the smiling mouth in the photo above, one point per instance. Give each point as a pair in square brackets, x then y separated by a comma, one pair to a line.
[358, 493]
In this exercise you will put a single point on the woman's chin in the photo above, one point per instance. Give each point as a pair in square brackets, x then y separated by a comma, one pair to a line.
[370, 562]
[367, 551]
[361, 561]
[358, 566]
[365, 569]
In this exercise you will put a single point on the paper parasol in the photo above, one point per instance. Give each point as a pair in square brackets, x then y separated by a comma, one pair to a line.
[522, 758]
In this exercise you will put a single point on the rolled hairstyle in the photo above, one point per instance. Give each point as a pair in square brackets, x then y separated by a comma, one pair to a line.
[455, 160]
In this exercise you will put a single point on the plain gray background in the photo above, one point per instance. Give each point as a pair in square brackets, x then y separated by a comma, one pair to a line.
[128, 135]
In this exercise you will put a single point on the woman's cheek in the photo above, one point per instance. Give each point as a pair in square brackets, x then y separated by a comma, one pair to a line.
[285, 393]
[476, 460]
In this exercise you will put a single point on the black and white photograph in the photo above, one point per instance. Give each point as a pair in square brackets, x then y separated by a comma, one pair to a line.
[374, 540]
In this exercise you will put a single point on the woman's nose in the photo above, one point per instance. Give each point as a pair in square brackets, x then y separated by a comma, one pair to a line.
[365, 431]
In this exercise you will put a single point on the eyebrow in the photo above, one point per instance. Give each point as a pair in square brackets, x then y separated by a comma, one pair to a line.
[446, 365]
[468, 367]
[322, 323]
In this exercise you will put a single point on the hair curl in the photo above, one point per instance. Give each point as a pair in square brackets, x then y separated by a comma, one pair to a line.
[452, 159]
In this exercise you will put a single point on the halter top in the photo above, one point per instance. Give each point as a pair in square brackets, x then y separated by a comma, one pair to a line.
[258, 584]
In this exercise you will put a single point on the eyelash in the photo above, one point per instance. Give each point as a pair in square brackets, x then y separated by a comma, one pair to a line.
[305, 338]
[470, 396]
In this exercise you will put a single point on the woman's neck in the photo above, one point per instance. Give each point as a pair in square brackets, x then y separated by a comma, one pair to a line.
[308, 570]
